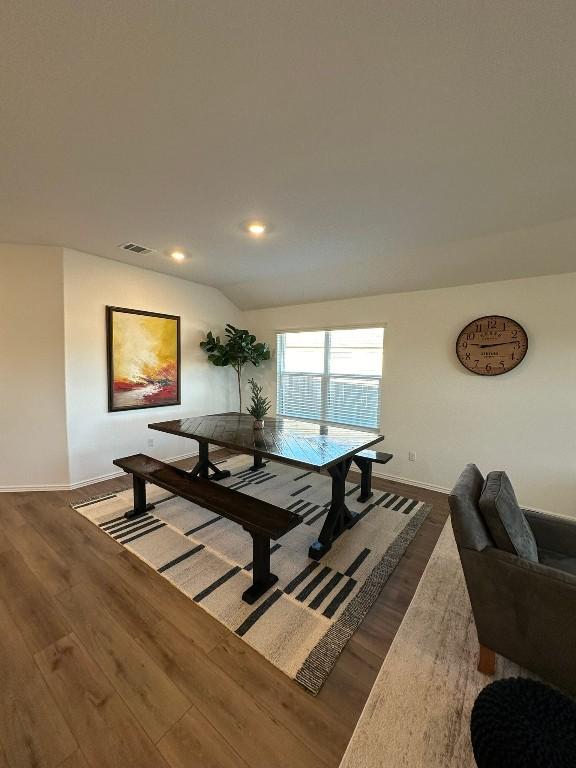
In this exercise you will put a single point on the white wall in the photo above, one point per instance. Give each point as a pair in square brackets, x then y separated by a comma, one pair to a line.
[33, 450]
[95, 436]
[523, 421]
[53, 390]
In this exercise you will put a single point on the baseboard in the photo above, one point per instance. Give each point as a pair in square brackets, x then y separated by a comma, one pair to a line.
[31, 488]
[409, 481]
[82, 483]
[119, 473]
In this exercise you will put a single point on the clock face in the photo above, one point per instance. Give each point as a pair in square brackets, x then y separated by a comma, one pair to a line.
[492, 345]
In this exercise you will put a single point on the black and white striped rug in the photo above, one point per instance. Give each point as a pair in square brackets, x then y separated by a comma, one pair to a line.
[302, 624]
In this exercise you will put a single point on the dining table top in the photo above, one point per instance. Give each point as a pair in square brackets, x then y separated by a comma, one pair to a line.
[308, 444]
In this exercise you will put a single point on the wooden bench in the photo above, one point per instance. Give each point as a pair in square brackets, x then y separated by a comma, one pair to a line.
[263, 521]
[364, 461]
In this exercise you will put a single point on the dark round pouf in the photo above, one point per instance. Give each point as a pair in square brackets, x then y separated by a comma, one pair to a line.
[519, 723]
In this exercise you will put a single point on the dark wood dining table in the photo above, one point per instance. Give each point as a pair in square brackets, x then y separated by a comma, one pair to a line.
[309, 445]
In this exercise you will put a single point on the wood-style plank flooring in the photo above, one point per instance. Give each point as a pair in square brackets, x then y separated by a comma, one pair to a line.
[104, 663]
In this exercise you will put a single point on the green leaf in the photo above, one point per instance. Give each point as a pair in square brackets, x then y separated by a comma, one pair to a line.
[260, 405]
[239, 349]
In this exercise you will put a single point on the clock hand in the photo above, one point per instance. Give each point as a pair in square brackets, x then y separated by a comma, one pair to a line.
[498, 344]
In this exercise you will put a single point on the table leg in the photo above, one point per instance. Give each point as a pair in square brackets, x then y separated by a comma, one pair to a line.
[258, 463]
[262, 579]
[140, 507]
[339, 517]
[204, 465]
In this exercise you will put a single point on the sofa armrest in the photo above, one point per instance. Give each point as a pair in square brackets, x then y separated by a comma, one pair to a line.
[552, 532]
[532, 575]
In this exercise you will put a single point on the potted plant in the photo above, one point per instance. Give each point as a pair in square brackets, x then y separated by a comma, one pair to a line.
[239, 349]
[260, 404]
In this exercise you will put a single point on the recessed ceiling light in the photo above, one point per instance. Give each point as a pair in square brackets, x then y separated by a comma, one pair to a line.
[178, 255]
[255, 228]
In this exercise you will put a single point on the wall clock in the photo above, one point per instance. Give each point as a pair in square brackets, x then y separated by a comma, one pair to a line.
[492, 345]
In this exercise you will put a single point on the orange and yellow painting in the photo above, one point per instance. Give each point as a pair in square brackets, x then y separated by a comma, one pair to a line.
[143, 359]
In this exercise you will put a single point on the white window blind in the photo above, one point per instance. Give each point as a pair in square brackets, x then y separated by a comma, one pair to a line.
[331, 376]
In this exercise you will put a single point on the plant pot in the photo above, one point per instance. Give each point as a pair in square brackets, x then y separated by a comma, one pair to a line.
[258, 423]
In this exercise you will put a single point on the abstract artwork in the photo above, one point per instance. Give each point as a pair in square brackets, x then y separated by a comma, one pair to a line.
[143, 359]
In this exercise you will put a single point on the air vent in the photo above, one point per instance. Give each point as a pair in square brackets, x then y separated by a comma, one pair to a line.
[135, 248]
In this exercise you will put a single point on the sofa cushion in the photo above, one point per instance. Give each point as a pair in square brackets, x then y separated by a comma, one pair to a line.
[469, 528]
[504, 518]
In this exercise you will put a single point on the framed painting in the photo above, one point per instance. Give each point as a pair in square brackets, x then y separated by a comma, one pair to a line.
[143, 359]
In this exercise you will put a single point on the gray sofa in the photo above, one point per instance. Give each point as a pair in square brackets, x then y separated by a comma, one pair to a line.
[524, 605]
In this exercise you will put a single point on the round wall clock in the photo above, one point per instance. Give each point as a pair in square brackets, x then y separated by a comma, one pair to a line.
[492, 345]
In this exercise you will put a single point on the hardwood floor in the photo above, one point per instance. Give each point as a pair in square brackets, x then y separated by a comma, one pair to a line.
[104, 663]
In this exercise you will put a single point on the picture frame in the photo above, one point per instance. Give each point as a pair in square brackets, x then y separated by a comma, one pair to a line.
[143, 359]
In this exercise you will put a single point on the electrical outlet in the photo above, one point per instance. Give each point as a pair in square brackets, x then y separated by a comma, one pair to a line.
[150, 443]
[411, 456]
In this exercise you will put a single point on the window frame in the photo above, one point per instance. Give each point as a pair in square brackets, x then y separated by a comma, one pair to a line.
[325, 375]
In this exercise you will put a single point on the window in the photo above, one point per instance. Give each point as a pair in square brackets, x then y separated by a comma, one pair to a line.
[331, 376]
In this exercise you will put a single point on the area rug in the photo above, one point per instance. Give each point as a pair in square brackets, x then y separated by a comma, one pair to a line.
[418, 712]
[302, 624]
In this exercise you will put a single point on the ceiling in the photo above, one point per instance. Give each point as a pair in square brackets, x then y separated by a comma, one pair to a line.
[388, 143]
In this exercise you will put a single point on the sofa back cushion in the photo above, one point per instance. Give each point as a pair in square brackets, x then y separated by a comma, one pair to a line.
[504, 518]
[470, 531]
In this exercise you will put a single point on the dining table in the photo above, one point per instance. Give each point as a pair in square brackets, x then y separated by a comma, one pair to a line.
[310, 445]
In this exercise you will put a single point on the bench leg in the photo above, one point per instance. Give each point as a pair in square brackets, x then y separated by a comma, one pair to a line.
[140, 507]
[365, 467]
[262, 579]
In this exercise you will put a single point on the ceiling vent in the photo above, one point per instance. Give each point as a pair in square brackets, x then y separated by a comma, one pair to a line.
[135, 248]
